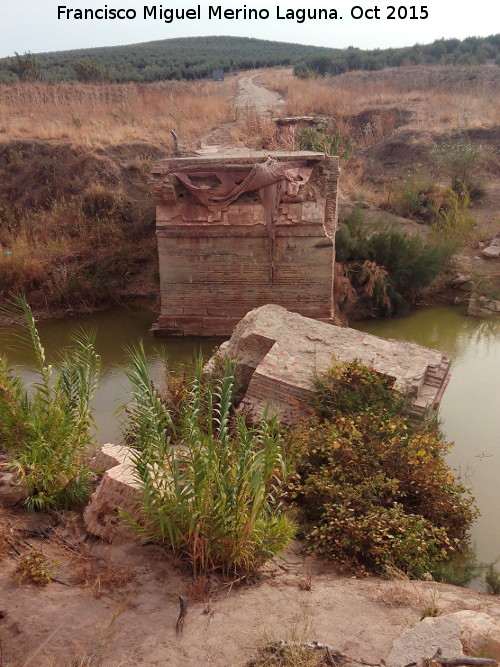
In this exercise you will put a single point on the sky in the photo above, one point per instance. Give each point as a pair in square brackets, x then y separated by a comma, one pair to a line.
[33, 25]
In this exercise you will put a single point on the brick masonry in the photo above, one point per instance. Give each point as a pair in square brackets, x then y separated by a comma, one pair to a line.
[215, 264]
[280, 352]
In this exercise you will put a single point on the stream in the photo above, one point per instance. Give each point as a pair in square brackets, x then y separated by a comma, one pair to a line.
[470, 410]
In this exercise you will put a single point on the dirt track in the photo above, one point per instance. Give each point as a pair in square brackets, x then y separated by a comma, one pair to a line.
[250, 95]
[266, 102]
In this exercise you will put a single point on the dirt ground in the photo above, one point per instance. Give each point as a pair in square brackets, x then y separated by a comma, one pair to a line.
[117, 606]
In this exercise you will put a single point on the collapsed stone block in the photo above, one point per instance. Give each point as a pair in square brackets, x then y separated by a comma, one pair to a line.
[119, 490]
[279, 353]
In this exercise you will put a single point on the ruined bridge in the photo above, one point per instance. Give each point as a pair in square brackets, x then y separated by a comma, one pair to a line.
[239, 231]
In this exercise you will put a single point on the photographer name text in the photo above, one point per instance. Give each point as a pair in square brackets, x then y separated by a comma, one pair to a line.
[244, 13]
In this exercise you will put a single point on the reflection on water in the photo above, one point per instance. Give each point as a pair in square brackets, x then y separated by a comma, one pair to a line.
[116, 330]
[470, 410]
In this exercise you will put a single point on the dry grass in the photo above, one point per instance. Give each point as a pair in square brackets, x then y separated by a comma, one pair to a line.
[437, 98]
[113, 113]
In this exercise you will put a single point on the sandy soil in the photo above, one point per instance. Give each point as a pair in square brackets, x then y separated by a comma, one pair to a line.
[123, 610]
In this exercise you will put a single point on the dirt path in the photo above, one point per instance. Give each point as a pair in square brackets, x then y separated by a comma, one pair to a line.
[251, 94]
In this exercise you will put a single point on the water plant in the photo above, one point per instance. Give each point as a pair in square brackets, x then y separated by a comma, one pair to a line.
[210, 483]
[46, 428]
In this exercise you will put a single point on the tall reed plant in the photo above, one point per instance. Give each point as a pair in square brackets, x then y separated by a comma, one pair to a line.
[46, 428]
[210, 483]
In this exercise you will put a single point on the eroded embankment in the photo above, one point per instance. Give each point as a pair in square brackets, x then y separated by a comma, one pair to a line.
[77, 224]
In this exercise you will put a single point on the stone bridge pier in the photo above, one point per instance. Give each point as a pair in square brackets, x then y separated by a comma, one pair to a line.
[236, 232]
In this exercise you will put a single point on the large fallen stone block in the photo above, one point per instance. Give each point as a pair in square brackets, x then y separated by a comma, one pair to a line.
[461, 633]
[422, 641]
[119, 490]
[279, 353]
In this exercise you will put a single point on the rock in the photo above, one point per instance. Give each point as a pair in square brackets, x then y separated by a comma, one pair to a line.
[279, 354]
[495, 242]
[481, 306]
[480, 633]
[423, 640]
[491, 252]
[119, 490]
[12, 491]
[462, 281]
[461, 633]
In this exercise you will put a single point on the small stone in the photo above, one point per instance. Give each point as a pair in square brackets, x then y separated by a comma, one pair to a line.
[492, 252]
[461, 279]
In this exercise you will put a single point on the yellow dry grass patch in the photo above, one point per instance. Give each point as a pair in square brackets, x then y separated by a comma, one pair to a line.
[90, 114]
[438, 98]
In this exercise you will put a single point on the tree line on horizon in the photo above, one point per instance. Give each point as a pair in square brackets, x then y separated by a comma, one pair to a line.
[468, 51]
[196, 58]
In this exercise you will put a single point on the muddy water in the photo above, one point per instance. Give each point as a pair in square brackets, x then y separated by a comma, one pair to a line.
[470, 410]
[116, 330]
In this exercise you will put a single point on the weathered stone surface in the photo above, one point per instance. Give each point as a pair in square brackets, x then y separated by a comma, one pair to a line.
[119, 490]
[463, 281]
[12, 491]
[491, 252]
[271, 245]
[461, 633]
[422, 641]
[481, 306]
[480, 633]
[280, 352]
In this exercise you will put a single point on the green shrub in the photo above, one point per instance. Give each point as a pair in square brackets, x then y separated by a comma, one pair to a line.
[347, 389]
[462, 159]
[210, 483]
[388, 268]
[351, 237]
[460, 570]
[455, 221]
[46, 430]
[418, 197]
[322, 140]
[411, 262]
[492, 579]
[34, 568]
[374, 489]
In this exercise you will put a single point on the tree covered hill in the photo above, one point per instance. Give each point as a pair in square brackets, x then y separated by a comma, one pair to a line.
[180, 58]
[468, 51]
[197, 57]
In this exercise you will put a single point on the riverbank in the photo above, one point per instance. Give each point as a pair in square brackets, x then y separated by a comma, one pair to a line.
[121, 602]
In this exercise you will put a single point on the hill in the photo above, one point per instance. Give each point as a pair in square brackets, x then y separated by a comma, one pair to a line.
[180, 58]
[196, 58]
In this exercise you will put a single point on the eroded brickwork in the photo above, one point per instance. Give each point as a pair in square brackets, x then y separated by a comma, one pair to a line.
[274, 244]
